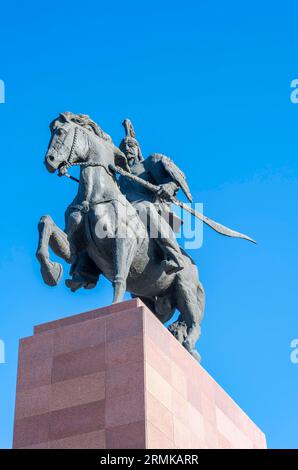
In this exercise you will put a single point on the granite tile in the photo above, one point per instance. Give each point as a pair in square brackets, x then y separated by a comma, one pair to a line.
[34, 401]
[78, 391]
[158, 386]
[80, 336]
[124, 324]
[31, 430]
[157, 359]
[125, 379]
[126, 436]
[156, 439]
[160, 416]
[89, 440]
[124, 350]
[34, 373]
[78, 363]
[125, 409]
[75, 420]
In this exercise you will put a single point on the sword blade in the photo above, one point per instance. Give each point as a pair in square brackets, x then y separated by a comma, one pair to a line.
[228, 232]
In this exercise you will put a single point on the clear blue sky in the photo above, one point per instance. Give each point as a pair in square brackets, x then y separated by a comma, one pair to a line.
[208, 83]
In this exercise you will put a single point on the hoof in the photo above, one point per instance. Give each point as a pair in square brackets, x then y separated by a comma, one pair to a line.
[72, 285]
[196, 355]
[51, 273]
[191, 350]
[79, 281]
[76, 285]
[90, 285]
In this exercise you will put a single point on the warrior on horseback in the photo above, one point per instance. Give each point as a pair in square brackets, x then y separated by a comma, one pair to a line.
[153, 269]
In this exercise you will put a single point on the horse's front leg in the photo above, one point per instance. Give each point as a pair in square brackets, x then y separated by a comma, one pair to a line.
[123, 254]
[51, 235]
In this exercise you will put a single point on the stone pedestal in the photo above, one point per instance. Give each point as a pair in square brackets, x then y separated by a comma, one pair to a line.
[116, 378]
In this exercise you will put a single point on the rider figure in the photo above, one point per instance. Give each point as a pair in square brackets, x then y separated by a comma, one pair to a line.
[153, 209]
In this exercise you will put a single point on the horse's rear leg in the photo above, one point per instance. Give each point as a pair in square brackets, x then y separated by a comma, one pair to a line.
[190, 303]
[51, 235]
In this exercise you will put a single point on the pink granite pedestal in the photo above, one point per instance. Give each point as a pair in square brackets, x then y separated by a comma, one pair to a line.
[116, 378]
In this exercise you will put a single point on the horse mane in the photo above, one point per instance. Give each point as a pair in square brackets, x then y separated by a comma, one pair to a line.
[82, 120]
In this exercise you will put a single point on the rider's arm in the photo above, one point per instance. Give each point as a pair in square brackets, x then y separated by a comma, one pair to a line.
[168, 187]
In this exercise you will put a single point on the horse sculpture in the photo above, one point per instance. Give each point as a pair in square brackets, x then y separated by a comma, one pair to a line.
[104, 228]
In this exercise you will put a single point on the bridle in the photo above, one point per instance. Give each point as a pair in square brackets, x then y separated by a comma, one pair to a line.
[70, 163]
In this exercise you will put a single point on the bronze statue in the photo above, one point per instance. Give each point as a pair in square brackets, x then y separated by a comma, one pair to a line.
[124, 228]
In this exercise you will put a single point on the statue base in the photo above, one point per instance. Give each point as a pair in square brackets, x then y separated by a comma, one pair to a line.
[115, 378]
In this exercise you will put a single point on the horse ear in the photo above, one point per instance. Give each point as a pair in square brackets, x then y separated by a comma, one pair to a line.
[61, 119]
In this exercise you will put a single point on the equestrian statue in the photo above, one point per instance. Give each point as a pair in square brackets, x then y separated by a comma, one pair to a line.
[120, 224]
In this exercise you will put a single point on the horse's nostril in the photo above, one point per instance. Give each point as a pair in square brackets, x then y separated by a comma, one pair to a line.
[51, 158]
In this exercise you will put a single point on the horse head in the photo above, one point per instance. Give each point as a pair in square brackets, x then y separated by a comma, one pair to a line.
[61, 145]
[77, 140]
